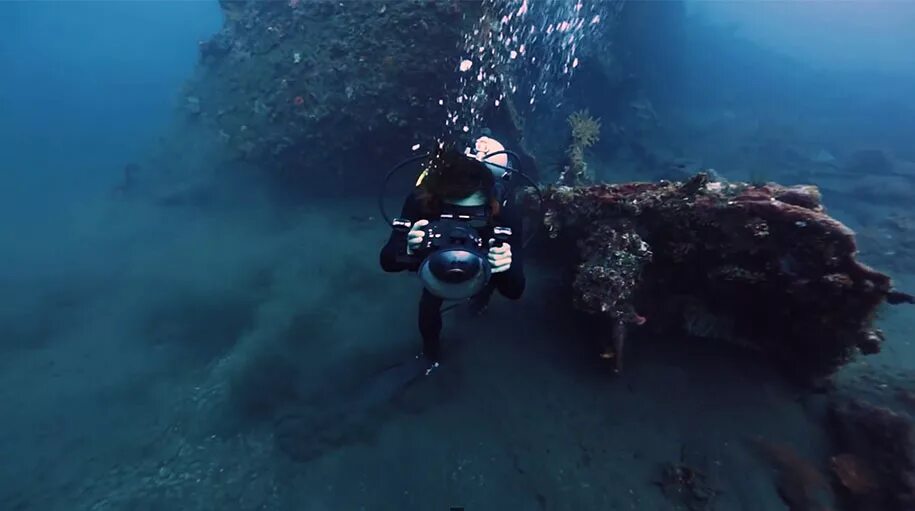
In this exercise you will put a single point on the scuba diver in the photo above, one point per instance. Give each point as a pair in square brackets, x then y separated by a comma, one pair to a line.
[458, 230]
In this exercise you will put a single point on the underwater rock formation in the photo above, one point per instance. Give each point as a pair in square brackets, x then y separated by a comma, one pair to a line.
[318, 91]
[762, 266]
[876, 466]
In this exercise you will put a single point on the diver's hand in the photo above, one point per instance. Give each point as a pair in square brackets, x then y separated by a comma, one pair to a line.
[500, 258]
[416, 235]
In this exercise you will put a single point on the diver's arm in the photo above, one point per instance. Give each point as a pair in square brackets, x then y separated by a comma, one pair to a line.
[511, 283]
[396, 248]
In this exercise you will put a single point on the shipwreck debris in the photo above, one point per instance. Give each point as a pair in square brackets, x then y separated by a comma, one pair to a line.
[766, 260]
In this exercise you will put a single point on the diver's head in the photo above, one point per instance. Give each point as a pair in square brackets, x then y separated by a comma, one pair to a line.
[453, 177]
[455, 264]
[485, 146]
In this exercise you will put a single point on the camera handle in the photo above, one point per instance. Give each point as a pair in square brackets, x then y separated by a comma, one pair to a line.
[501, 235]
[403, 225]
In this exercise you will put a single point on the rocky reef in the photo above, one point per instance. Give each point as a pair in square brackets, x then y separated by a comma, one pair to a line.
[314, 94]
[759, 265]
[317, 91]
[875, 466]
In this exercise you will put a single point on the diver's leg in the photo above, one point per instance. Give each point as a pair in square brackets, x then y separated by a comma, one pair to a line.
[430, 325]
[480, 301]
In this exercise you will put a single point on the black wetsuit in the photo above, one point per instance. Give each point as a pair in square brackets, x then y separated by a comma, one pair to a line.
[509, 283]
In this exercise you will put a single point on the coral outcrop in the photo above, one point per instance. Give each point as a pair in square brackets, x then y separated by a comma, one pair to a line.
[763, 266]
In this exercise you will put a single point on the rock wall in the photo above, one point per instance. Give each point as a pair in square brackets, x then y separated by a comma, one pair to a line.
[320, 93]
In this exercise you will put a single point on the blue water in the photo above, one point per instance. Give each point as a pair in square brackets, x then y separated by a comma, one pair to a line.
[88, 86]
[169, 348]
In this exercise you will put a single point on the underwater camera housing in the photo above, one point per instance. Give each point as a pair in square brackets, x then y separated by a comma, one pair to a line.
[452, 258]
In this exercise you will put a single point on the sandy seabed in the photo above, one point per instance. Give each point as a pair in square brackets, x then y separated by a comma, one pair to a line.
[153, 382]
